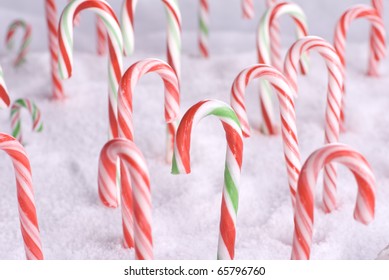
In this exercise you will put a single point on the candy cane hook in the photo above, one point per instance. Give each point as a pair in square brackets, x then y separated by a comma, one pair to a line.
[304, 212]
[181, 164]
[26, 41]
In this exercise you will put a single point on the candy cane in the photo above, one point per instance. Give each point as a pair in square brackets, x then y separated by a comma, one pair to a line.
[21, 57]
[378, 49]
[101, 37]
[136, 201]
[204, 28]
[287, 113]
[173, 31]
[16, 124]
[25, 193]
[4, 98]
[181, 164]
[378, 5]
[275, 43]
[115, 42]
[334, 99]
[303, 218]
[248, 9]
[51, 17]
[265, 55]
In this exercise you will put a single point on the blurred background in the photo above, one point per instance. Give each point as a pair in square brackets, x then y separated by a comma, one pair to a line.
[226, 15]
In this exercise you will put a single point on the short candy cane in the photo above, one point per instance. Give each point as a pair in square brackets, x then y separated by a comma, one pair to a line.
[378, 5]
[287, 113]
[305, 199]
[334, 99]
[181, 164]
[52, 24]
[16, 123]
[4, 98]
[136, 200]
[265, 55]
[25, 193]
[115, 42]
[26, 41]
[204, 28]
[173, 31]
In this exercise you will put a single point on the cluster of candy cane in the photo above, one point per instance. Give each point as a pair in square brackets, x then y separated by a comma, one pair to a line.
[16, 124]
[378, 5]
[287, 113]
[305, 198]
[173, 31]
[51, 17]
[25, 193]
[136, 200]
[104, 10]
[334, 99]
[204, 28]
[181, 164]
[264, 39]
[21, 57]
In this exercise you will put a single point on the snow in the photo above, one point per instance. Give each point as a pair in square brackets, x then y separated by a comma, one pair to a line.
[186, 208]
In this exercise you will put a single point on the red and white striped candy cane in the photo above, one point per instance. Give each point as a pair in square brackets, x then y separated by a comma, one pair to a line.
[52, 23]
[181, 164]
[4, 98]
[334, 99]
[21, 57]
[287, 112]
[101, 37]
[204, 28]
[378, 49]
[378, 40]
[275, 42]
[378, 5]
[26, 202]
[265, 55]
[248, 9]
[173, 31]
[305, 199]
[136, 200]
[115, 42]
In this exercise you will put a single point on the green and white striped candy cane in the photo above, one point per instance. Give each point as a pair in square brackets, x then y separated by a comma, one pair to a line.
[16, 123]
[181, 164]
[26, 41]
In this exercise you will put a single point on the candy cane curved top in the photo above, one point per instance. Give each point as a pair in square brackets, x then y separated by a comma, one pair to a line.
[173, 30]
[287, 113]
[4, 98]
[181, 164]
[26, 202]
[115, 42]
[265, 30]
[26, 41]
[356, 12]
[134, 172]
[305, 199]
[127, 87]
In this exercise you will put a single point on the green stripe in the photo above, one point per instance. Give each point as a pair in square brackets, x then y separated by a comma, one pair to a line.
[175, 170]
[231, 189]
[203, 27]
[16, 130]
[225, 112]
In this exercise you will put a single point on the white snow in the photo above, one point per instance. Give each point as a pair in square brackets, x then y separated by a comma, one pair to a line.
[75, 225]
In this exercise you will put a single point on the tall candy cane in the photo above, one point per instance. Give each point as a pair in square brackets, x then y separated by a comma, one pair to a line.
[16, 123]
[26, 202]
[204, 28]
[173, 31]
[181, 164]
[334, 99]
[265, 56]
[51, 17]
[4, 98]
[101, 37]
[21, 57]
[247, 9]
[115, 42]
[378, 50]
[136, 200]
[305, 199]
[287, 113]
[378, 5]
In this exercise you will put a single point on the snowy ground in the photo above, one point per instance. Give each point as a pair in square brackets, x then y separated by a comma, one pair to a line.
[64, 157]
